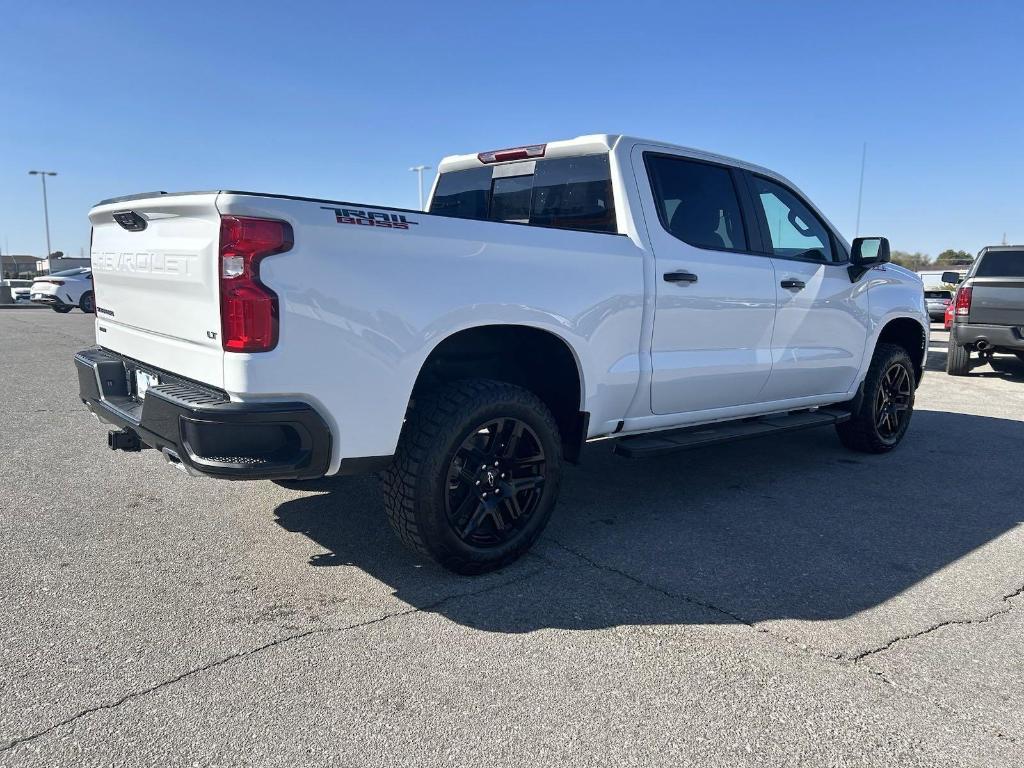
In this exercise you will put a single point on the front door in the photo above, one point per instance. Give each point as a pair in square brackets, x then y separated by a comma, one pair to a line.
[822, 319]
[715, 298]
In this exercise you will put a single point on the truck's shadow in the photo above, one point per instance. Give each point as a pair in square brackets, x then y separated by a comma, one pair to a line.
[790, 527]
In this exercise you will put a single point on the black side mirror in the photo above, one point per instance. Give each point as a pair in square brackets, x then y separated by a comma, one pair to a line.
[952, 278]
[869, 251]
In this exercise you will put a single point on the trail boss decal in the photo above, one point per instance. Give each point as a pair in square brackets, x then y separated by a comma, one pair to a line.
[370, 218]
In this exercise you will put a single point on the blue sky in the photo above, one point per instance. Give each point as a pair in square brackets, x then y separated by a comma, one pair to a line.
[337, 100]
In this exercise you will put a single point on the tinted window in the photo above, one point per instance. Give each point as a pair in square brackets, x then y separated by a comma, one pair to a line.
[1001, 264]
[574, 193]
[464, 194]
[794, 230]
[72, 272]
[937, 294]
[569, 193]
[510, 199]
[697, 202]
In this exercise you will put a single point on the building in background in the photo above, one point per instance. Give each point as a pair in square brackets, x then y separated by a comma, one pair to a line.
[55, 264]
[932, 278]
[20, 265]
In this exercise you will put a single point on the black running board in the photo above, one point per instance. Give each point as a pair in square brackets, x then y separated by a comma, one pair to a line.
[653, 443]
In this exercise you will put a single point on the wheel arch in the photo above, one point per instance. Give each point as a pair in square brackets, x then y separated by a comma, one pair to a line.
[534, 358]
[911, 335]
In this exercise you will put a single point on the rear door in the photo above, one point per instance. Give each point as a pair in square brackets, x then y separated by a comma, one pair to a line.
[821, 324]
[715, 297]
[155, 263]
[997, 289]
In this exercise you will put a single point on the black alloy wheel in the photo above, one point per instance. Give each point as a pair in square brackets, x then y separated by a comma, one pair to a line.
[476, 474]
[893, 401]
[495, 482]
[880, 415]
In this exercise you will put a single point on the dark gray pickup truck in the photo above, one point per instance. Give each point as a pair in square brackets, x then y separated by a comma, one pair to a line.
[988, 315]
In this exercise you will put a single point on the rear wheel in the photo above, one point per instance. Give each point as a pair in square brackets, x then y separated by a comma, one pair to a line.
[62, 308]
[958, 358]
[476, 475]
[88, 303]
[882, 418]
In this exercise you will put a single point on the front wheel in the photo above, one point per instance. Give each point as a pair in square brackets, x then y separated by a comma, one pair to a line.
[88, 303]
[62, 309]
[475, 476]
[883, 415]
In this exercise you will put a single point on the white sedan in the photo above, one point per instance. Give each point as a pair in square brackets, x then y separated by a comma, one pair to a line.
[63, 291]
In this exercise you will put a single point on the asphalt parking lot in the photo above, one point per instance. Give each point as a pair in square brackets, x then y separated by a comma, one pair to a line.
[780, 601]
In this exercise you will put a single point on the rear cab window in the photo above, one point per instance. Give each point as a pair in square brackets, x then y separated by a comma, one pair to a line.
[1001, 264]
[561, 192]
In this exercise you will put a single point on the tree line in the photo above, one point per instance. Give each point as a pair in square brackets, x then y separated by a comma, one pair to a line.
[918, 260]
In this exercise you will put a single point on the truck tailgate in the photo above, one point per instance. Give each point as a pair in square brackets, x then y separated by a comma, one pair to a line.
[997, 301]
[155, 269]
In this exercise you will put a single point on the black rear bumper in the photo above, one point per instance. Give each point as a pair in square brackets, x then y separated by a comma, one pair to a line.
[200, 427]
[999, 337]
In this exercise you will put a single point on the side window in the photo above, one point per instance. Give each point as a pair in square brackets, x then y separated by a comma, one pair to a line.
[697, 202]
[794, 230]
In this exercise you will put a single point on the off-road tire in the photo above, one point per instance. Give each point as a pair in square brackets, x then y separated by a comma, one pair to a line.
[416, 483]
[958, 358]
[861, 432]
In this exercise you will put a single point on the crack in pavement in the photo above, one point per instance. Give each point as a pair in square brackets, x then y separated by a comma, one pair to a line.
[16, 742]
[636, 580]
[849, 661]
[801, 646]
[1007, 607]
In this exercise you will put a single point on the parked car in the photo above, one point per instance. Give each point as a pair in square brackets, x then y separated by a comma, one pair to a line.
[937, 301]
[20, 289]
[988, 314]
[601, 287]
[63, 291]
[947, 318]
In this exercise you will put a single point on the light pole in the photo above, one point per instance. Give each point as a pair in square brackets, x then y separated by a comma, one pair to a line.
[419, 169]
[46, 209]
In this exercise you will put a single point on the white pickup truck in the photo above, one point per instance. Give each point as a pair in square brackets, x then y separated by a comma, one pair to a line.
[601, 287]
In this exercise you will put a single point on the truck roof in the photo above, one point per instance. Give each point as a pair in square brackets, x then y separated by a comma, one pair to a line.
[596, 143]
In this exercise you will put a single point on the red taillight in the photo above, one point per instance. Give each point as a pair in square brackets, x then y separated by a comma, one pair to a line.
[963, 300]
[512, 153]
[248, 309]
